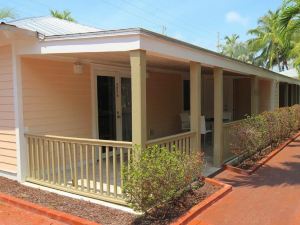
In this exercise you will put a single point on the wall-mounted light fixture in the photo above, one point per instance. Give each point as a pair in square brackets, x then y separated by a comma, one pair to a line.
[78, 68]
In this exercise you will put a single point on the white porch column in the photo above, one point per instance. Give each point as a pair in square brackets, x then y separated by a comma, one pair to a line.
[21, 146]
[195, 96]
[218, 116]
[254, 95]
[286, 94]
[138, 91]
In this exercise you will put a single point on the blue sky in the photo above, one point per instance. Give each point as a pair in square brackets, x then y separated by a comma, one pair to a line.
[195, 21]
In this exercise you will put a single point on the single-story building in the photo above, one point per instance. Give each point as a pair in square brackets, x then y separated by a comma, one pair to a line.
[75, 99]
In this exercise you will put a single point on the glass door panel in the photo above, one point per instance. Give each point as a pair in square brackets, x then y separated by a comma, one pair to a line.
[126, 109]
[106, 107]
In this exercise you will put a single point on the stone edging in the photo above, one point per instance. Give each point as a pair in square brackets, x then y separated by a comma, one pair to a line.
[263, 160]
[203, 205]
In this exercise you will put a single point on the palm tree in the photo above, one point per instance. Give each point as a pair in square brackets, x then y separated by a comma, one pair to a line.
[64, 15]
[271, 46]
[290, 15]
[290, 23]
[236, 49]
[7, 13]
[229, 47]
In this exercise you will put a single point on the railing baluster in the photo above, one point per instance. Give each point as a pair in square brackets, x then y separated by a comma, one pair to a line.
[100, 169]
[70, 163]
[87, 169]
[75, 182]
[41, 147]
[37, 158]
[53, 162]
[58, 162]
[81, 167]
[29, 171]
[107, 172]
[33, 159]
[115, 171]
[63, 145]
[94, 168]
[128, 158]
[121, 166]
[48, 160]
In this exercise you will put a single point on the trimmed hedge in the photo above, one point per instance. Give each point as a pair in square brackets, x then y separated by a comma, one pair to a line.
[255, 133]
[156, 175]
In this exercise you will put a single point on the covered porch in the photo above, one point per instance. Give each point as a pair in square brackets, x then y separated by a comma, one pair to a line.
[83, 112]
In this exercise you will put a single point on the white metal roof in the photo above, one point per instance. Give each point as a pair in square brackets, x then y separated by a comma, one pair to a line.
[48, 26]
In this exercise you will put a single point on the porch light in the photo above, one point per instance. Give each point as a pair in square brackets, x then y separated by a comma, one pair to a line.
[78, 68]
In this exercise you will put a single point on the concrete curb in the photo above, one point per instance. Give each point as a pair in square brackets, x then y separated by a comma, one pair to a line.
[262, 161]
[40, 210]
[197, 209]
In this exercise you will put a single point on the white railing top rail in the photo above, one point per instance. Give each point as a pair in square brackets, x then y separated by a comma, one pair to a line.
[171, 137]
[232, 123]
[124, 144]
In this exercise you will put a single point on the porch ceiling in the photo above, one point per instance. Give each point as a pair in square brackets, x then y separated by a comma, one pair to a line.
[123, 59]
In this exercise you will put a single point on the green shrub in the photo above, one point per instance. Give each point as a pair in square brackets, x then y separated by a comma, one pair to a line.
[268, 128]
[156, 175]
[248, 135]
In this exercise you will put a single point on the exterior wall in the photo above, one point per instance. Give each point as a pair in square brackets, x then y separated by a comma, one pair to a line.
[8, 156]
[264, 95]
[55, 100]
[208, 95]
[242, 98]
[164, 104]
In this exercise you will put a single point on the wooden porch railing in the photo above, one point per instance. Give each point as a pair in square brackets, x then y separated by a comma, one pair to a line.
[87, 167]
[182, 141]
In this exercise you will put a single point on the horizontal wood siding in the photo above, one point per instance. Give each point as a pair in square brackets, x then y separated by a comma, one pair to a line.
[8, 161]
[55, 100]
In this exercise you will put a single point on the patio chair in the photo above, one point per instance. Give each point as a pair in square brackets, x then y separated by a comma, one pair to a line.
[185, 121]
[204, 129]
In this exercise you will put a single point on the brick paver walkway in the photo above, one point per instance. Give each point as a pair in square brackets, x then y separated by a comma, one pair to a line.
[269, 197]
[11, 215]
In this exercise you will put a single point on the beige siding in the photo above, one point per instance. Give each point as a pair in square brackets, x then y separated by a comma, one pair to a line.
[55, 100]
[164, 104]
[7, 117]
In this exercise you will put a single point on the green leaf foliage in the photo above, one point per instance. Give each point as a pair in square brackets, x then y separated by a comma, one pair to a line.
[156, 175]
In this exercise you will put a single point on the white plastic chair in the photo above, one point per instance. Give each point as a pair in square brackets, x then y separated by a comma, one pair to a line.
[185, 121]
[204, 129]
[227, 116]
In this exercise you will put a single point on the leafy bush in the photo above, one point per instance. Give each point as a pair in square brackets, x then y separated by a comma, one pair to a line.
[248, 135]
[156, 175]
[268, 128]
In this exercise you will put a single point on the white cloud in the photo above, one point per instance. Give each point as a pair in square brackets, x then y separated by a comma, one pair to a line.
[235, 17]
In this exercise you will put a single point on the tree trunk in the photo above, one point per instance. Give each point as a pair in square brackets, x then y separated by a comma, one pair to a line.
[278, 62]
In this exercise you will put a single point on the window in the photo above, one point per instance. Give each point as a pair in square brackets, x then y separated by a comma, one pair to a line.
[186, 95]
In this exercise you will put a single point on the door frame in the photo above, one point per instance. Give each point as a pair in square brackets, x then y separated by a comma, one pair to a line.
[109, 71]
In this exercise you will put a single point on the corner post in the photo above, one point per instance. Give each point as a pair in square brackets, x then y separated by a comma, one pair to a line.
[195, 103]
[21, 146]
[218, 116]
[138, 92]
